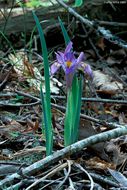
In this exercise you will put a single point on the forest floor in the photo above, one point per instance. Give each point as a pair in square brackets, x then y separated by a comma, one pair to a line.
[23, 161]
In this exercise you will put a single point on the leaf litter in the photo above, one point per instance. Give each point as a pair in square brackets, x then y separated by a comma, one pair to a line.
[22, 141]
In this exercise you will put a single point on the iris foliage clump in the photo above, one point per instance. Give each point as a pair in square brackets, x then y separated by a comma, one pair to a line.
[74, 83]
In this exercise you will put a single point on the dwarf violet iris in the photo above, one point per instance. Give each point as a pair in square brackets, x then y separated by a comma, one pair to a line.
[70, 64]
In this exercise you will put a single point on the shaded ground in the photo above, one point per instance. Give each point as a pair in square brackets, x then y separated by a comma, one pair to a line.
[22, 142]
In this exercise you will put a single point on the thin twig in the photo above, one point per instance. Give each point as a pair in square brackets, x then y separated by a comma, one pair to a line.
[101, 100]
[62, 108]
[24, 182]
[73, 12]
[95, 100]
[91, 43]
[89, 118]
[66, 176]
[9, 14]
[7, 103]
[5, 79]
[90, 178]
[101, 31]
[69, 150]
[59, 168]
[103, 179]
[115, 24]
[50, 182]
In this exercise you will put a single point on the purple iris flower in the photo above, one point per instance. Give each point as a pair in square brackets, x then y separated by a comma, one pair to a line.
[69, 64]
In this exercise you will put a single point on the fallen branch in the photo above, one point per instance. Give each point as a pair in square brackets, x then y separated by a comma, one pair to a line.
[100, 30]
[115, 24]
[20, 20]
[74, 148]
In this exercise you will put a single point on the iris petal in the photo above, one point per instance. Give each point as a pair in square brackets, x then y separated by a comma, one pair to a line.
[69, 56]
[60, 57]
[54, 68]
[80, 58]
[68, 48]
[88, 71]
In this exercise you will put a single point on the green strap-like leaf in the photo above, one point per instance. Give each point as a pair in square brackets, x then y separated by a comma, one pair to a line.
[78, 3]
[78, 89]
[64, 31]
[73, 109]
[47, 98]
[73, 103]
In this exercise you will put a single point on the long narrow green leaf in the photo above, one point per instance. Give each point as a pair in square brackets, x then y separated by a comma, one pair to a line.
[68, 120]
[69, 111]
[78, 3]
[48, 126]
[78, 92]
[73, 103]
[43, 105]
[74, 100]
[64, 31]
[73, 112]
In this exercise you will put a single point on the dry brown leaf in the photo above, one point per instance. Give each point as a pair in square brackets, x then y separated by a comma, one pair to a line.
[115, 150]
[11, 128]
[111, 61]
[98, 164]
[112, 87]
[2, 157]
[37, 149]
[116, 57]
[120, 53]
[105, 83]
[31, 74]
[100, 78]
[101, 43]
[86, 130]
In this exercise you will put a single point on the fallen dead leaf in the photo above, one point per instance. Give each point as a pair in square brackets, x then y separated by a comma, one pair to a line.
[10, 129]
[31, 74]
[37, 149]
[86, 130]
[115, 150]
[105, 84]
[98, 164]
[101, 43]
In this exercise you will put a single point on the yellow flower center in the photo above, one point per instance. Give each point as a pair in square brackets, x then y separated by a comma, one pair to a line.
[68, 63]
